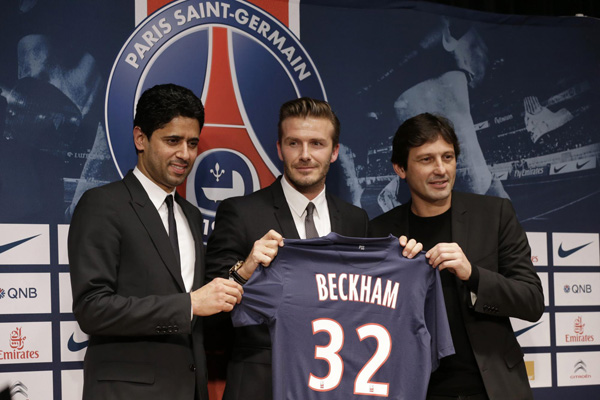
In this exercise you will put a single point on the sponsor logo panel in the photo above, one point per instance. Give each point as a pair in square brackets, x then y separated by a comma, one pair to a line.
[539, 369]
[22, 244]
[63, 254]
[577, 329]
[532, 334]
[25, 342]
[578, 369]
[576, 249]
[573, 166]
[72, 384]
[25, 293]
[36, 385]
[64, 292]
[538, 241]
[577, 289]
[73, 342]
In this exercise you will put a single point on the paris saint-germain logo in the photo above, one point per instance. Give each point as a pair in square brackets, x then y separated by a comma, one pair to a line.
[242, 62]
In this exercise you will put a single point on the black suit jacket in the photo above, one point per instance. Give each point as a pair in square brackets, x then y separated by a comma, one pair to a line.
[487, 230]
[239, 223]
[129, 296]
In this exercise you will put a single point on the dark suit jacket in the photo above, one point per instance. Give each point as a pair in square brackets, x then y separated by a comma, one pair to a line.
[487, 230]
[129, 296]
[239, 223]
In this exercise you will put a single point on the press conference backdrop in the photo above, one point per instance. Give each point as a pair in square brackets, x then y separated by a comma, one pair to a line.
[523, 93]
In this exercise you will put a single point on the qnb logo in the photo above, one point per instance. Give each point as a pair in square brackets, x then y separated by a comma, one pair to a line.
[18, 388]
[17, 344]
[578, 288]
[578, 329]
[580, 371]
[19, 293]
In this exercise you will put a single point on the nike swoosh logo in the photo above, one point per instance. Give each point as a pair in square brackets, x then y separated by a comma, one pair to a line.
[522, 331]
[562, 253]
[8, 246]
[76, 346]
[582, 165]
[558, 169]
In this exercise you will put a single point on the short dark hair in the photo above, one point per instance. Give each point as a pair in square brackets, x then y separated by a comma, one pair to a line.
[307, 107]
[161, 103]
[417, 131]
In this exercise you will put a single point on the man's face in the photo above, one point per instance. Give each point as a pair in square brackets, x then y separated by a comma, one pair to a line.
[306, 149]
[168, 156]
[430, 173]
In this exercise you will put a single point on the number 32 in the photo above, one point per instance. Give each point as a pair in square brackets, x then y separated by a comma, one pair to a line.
[329, 353]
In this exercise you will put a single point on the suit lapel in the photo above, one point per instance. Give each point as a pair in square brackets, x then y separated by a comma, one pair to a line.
[334, 214]
[282, 212]
[150, 218]
[460, 235]
[460, 223]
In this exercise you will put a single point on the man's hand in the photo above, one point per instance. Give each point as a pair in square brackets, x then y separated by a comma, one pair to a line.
[263, 252]
[450, 256]
[216, 296]
[411, 247]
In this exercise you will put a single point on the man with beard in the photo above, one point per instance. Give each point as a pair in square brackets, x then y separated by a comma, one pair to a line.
[137, 264]
[249, 230]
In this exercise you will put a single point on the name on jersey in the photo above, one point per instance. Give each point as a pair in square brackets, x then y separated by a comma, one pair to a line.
[358, 288]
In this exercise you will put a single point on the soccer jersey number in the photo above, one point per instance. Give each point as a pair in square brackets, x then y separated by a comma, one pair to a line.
[329, 353]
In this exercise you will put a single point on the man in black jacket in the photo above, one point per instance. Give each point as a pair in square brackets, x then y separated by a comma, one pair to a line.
[484, 260]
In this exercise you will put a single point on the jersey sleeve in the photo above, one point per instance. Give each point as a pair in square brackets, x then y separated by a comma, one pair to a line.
[436, 319]
[262, 297]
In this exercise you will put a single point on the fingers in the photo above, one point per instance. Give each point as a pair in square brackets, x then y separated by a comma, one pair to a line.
[274, 235]
[216, 296]
[450, 256]
[411, 247]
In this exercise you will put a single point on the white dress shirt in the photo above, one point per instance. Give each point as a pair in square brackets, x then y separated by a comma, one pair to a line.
[298, 202]
[187, 248]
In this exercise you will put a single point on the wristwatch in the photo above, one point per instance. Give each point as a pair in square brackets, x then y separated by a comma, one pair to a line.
[233, 273]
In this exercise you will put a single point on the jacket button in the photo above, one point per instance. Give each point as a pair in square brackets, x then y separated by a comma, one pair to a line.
[192, 368]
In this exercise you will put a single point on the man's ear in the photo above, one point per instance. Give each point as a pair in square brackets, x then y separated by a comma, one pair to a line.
[335, 153]
[139, 139]
[399, 171]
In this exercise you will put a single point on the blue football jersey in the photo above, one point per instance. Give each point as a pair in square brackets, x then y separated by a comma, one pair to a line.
[349, 318]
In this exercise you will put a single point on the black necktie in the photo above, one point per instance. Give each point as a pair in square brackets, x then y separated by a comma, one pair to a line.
[309, 223]
[172, 227]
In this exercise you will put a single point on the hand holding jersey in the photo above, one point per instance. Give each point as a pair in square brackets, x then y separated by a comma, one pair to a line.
[450, 256]
[266, 248]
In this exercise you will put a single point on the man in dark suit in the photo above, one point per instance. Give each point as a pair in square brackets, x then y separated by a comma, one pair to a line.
[249, 230]
[137, 264]
[484, 260]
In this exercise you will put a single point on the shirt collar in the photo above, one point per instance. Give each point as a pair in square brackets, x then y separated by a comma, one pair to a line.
[298, 202]
[156, 194]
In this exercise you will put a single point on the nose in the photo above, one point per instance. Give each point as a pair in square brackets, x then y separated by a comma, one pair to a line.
[440, 166]
[183, 152]
[305, 155]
